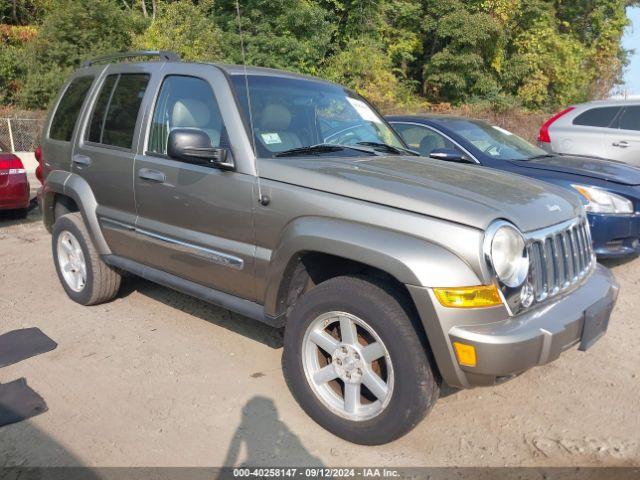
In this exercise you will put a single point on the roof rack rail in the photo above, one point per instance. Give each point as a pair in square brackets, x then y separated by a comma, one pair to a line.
[163, 54]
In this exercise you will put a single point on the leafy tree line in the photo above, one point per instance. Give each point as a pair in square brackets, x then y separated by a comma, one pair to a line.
[539, 54]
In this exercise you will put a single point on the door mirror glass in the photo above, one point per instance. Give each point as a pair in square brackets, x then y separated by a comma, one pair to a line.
[194, 146]
[449, 155]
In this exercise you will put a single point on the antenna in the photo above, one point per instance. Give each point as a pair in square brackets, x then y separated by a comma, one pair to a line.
[263, 199]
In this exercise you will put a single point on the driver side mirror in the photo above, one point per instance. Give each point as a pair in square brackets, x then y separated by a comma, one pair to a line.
[449, 155]
[194, 146]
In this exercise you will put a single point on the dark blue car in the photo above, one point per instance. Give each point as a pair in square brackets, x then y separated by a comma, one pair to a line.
[610, 190]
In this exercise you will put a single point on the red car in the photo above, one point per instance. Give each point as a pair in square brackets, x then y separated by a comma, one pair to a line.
[14, 186]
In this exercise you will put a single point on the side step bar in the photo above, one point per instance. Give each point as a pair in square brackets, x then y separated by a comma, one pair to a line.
[216, 297]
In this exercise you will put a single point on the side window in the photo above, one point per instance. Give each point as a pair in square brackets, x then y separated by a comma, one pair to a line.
[597, 117]
[116, 111]
[422, 139]
[630, 118]
[185, 102]
[66, 116]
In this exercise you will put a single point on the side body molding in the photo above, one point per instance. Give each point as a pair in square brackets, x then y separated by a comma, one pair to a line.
[75, 187]
[411, 260]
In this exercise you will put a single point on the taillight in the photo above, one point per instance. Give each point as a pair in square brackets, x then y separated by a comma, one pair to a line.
[16, 166]
[38, 155]
[13, 164]
[543, 135]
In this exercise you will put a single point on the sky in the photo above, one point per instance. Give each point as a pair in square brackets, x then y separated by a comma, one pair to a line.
[631, 41]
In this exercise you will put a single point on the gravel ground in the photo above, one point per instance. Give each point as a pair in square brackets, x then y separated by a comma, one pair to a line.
[156, 378]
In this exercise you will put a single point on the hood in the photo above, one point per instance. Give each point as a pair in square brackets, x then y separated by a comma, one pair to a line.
[609, 170]
[466, 194]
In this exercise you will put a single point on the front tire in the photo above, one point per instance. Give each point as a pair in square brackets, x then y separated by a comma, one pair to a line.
[354, 360]
[83, 275]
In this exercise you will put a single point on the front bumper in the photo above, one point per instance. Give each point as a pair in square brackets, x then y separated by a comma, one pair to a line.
[506, 346]
[615, 236]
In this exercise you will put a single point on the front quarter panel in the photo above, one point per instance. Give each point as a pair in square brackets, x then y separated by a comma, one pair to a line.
[414, 249]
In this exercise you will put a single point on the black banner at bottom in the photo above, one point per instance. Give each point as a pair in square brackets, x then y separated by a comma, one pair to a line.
[435, 473]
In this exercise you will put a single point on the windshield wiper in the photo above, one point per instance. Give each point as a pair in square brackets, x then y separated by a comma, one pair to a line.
[321, 148]
[389, 148]
[544, 155]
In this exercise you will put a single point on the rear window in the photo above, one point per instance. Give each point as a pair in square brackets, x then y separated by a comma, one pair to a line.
[66, 116]
[597, 117]
[630, 118]
[114, 117]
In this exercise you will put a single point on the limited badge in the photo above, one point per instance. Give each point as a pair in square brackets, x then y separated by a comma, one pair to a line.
[270, 138]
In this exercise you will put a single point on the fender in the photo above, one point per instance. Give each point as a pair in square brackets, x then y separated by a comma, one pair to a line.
[75, 187]
[410, 260]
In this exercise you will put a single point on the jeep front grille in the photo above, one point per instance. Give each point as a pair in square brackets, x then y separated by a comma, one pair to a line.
[560, 256]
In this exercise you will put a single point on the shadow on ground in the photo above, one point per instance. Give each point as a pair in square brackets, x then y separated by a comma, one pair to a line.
[25, 445]
[261, 439]
[258, 331]
[10, 217]
[615, 262]
[266, 439]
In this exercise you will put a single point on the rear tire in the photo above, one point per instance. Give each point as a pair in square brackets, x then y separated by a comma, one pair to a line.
[405, 384]
[83, 275]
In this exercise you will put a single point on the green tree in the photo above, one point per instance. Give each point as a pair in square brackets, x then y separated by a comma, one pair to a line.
[363, 66]
[70, 33]
[185, 28]
[22, 12]
[536, 53]
[288, 34]
[460, 46]
[403, 36]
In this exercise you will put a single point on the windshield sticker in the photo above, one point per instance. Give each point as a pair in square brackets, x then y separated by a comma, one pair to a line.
[502, 130]
[270, 138]
[364, 110]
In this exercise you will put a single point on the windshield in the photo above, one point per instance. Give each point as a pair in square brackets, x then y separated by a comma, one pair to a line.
[291, 114]
[494, 141]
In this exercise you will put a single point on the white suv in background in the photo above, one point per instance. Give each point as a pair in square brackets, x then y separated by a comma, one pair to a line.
[606, 129]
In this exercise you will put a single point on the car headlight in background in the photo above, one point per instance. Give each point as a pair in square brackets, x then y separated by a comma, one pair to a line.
[601, 201]
[505, 247]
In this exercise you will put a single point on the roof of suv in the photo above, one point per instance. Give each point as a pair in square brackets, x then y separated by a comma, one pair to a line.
[609, 102]
[270, 72]
[166, 56]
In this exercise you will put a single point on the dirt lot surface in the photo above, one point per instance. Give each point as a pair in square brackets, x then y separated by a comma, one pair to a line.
[156, 378]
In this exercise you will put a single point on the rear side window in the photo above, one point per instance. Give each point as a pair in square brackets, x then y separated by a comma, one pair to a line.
[597, 117]
[116, 111]
[630, 118]
[66, 116]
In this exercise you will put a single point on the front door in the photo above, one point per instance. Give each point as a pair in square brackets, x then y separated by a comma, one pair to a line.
[196, 220]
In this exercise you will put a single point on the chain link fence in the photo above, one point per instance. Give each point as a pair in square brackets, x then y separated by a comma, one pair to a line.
[20, 134]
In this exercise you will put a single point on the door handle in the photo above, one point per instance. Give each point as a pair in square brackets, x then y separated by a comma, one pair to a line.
[621, 144]
[152, 175]
[82, 160]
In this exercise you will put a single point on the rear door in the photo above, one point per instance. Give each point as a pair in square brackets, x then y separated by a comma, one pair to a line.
[587, 133]
[623, 142]
[105, 153]
[196, 220]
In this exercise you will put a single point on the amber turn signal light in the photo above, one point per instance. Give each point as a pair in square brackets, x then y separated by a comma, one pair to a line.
[466, 354]
[469, 297]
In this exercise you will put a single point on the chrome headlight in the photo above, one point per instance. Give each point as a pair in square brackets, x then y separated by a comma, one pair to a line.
[504, 246]
[601, 201]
